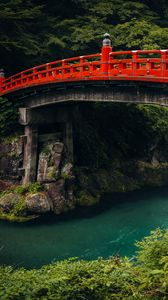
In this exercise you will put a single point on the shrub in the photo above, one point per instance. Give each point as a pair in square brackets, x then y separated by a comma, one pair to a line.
[8, 117]
[146, 277]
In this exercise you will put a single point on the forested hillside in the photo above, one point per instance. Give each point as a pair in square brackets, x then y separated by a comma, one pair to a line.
[33, 32]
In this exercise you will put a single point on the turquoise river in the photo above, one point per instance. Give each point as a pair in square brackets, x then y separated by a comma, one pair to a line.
[108, 229]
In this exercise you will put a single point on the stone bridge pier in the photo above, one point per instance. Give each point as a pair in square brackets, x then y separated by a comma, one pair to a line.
[32, 119]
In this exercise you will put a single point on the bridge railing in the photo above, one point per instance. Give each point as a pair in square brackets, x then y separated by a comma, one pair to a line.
[150, 65]
[61, 70]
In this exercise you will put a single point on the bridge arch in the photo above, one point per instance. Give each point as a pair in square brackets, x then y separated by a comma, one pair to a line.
[98, 91]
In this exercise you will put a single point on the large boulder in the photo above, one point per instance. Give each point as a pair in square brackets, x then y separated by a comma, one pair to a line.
[38, 203]
[61, 195]
[9, 201]
[24, 205]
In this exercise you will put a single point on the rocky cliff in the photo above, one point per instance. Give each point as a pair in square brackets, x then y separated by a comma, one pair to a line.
[117, 148]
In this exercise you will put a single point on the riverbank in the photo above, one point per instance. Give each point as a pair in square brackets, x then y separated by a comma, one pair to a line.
[107, 228]
[21, 204]
[144, 277]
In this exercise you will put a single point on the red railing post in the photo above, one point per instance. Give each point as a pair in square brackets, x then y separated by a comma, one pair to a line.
[81, 65]
[163, 62]
[134, 62]
[105, 57]
[2, 78]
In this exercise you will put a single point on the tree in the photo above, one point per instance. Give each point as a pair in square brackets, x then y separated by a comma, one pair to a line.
[34, 32]
[140, 34]
[19, 41]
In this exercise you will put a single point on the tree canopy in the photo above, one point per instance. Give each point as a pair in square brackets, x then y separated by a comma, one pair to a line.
[34, 32]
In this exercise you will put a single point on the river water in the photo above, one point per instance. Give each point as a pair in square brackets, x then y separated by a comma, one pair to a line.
[108, 229]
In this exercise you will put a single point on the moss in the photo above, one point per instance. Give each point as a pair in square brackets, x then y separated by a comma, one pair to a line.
[65, 176]
[63, 208]
[35, 187]
[51, 173]
[60, 210]
[10, 139]
[86, 199]
[125, 177]
[46, 150]
[153, 175]
[20, 189]
[13, 205]
[11, 217]
[19, 207]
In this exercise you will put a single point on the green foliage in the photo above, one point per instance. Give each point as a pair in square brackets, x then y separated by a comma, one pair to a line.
[20, 189]
[157, 118]
[15, 218]
[14, 199]
[8, 117]
[65, 176]
[152, 259]
[19, 23]
[35, 188]
[33, 32]
[96, 280]
[117, 131]
[32, 188]
[146, 277]
[19, 207]
[85, 199]
[140, 34]
[115, 11]
[153, 250]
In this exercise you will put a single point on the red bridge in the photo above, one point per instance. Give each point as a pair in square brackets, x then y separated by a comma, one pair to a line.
[140, 65]
[130, 76]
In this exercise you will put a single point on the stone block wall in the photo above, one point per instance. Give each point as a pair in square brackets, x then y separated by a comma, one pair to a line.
[49, 162]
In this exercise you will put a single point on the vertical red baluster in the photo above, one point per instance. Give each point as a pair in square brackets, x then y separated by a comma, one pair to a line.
[105, 57]
[63, 70]
[2, 78]
[134, 62]
[33, 72]
[163, 62]
[46, 69]
[81, 66]
[148, 66]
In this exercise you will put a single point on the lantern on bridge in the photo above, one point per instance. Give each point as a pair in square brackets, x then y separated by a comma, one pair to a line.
[106, 49]
[2, 75]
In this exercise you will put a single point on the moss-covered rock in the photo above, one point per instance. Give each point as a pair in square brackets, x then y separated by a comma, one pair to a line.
[13, 207]
[127, 176]
[10, 202]
[86, 199]
[23, 203]
[61, 195]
